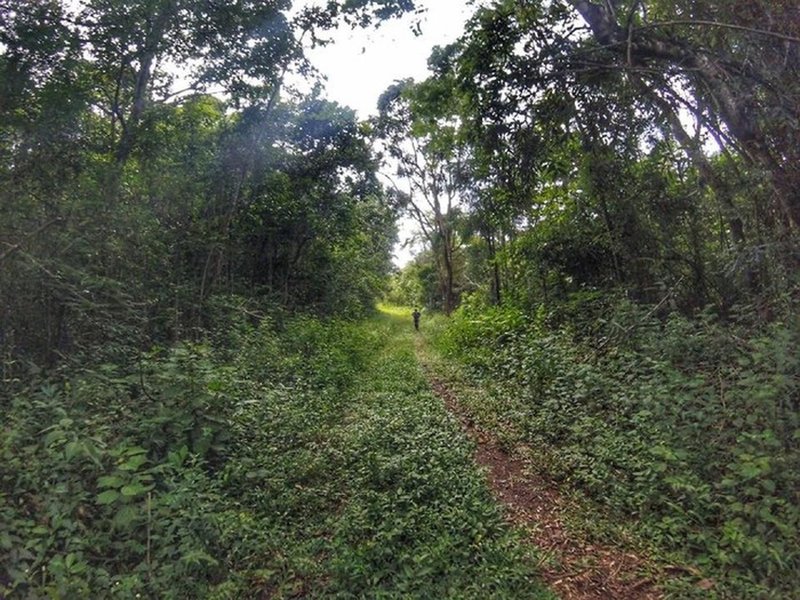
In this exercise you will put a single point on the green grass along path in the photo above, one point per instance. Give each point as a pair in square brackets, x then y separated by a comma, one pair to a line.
[351, 471]
[382, 498]
[420, 521]
[572, 565]
[460, 517]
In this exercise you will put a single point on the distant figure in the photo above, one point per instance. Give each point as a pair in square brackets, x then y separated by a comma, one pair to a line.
[416, 315]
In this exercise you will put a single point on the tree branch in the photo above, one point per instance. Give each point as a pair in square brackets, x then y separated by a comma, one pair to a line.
[12, 248]
[703, 23]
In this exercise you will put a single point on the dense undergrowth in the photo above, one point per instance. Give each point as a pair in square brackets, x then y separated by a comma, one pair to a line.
[686, 429]
[305, 460]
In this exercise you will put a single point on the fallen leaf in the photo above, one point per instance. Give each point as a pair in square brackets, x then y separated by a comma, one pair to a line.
[706, 584]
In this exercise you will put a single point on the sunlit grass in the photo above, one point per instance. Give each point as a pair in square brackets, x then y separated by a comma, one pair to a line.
[395, 311]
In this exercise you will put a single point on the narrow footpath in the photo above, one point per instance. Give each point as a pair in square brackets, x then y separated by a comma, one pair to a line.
[414, 517]
[574, 568]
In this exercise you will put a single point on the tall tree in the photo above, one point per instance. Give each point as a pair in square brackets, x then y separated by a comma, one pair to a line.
[739, 63]
[544, 100]
[127, 204]
[419, 130]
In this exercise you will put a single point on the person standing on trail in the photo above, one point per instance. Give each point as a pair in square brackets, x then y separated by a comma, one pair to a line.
[416, 315]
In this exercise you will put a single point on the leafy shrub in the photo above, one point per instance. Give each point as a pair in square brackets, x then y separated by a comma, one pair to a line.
[105, 482]
[691, 427]
[304, 459]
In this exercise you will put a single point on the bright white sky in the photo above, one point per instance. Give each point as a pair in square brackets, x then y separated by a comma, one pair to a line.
[360, 64]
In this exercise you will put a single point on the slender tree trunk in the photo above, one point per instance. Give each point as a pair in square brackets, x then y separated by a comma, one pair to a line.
[612, 239]
[495, 291]
[447, 258]
[732, 104]
[721, 189]
[144, 76]
[449, 296]
[271, 256]
[291, 266]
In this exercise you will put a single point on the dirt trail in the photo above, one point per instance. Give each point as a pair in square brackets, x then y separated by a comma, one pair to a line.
[573, 568]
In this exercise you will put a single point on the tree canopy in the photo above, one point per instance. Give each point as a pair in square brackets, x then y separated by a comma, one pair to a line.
[148, 163]
[641, 145]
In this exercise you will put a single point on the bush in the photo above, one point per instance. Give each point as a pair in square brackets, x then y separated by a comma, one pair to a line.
[126, 479]
[688, 426]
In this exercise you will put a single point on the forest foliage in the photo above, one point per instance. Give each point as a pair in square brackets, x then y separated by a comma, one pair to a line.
[655, 160]
[624, 250]
[169, 208]
[306, 459]
[130, 207]
[609, 196]
[682, 429]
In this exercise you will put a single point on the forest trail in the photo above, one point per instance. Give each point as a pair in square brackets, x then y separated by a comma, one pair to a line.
[413, 517]
[574, 568]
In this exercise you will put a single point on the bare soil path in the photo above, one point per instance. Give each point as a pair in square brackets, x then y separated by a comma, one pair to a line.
[574, 568]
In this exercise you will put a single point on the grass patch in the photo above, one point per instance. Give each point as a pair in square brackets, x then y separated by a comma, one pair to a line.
[684, 434]
[315, 463]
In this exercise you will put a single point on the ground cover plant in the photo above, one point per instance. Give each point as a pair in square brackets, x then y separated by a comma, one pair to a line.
[680, 428]
[316, 463]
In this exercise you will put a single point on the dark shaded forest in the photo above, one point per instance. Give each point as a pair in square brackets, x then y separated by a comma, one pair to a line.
[139, 213]
[607, 194]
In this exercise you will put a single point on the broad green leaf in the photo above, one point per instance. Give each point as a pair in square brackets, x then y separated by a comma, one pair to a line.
[107, 497]
[125, 516]
[135, 489]
[110, 481]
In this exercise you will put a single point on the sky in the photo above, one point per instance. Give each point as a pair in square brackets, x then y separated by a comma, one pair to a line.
[360, 64]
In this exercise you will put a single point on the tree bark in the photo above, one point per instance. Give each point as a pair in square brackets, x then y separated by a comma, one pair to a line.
[449, 297]
[721, 189]
[144, 76]
[496, 288]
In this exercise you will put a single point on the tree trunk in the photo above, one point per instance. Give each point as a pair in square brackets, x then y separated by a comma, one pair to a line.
[449, 299]
[144, 75]
[495, 286]
[447, 258]
[708, 176]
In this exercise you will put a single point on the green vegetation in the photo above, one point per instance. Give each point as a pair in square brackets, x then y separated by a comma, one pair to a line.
[625, 254]
[196, 397]
[320, 465]
[679, 429]
[133, 215]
